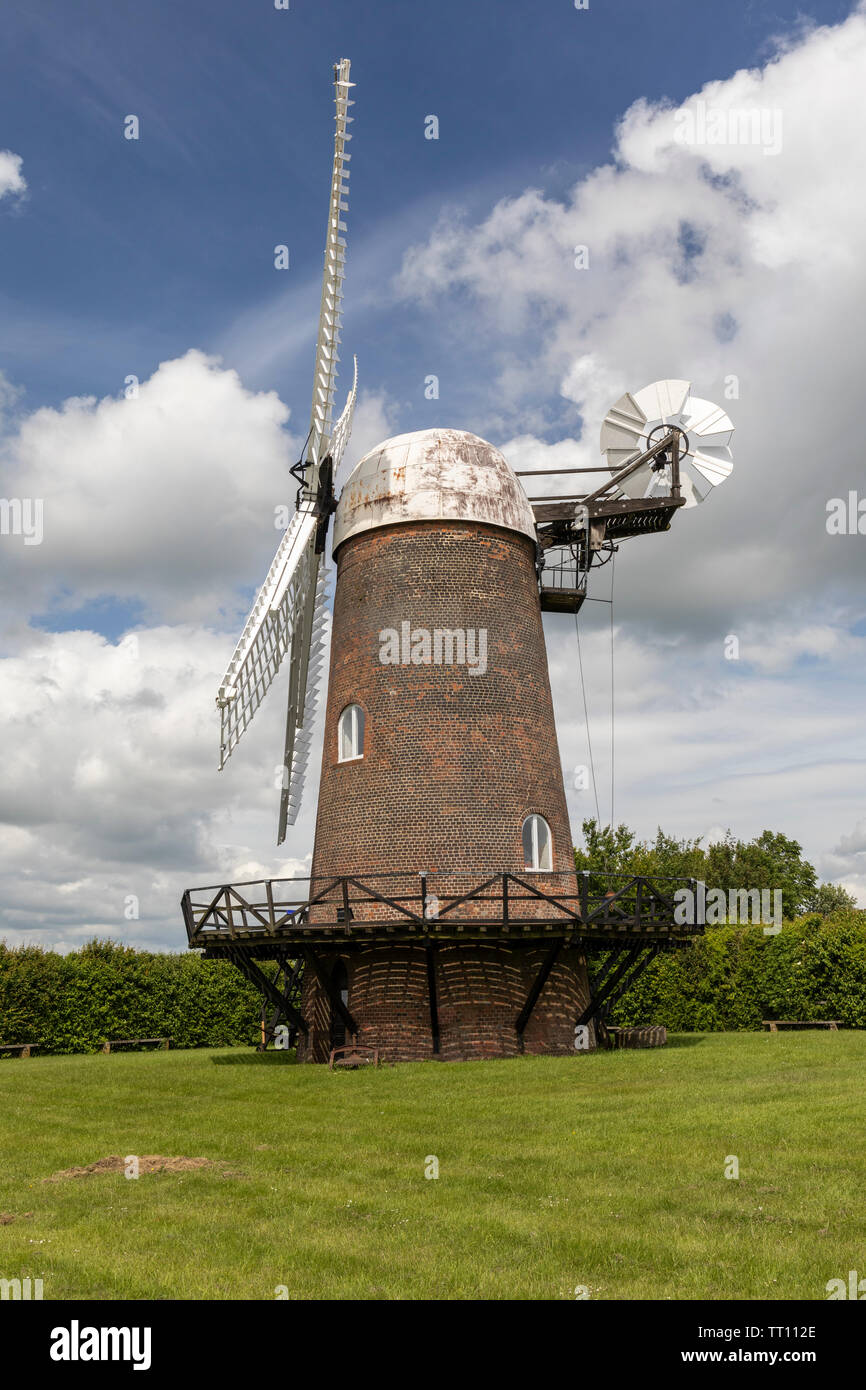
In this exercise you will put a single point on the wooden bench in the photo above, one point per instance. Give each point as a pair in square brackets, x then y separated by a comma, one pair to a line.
[136, 1042]
[774, 1024]
[23, 1049]
[353, 1055]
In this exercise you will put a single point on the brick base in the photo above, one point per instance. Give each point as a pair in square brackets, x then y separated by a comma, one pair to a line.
[480, 991]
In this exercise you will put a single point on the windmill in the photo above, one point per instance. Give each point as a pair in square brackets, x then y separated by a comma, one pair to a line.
[443, 917]
[288, 615]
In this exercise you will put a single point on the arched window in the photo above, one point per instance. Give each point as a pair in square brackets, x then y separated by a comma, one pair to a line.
[537, 844]
[350, 734]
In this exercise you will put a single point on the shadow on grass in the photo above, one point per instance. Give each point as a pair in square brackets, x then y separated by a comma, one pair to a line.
[257, 1059]
[685, 1040]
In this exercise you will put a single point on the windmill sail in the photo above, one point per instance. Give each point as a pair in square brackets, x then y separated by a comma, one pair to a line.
[304, 698]
[289, 612]
[266, 635]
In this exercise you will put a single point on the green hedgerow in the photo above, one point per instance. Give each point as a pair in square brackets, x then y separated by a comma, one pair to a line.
[73, 1003]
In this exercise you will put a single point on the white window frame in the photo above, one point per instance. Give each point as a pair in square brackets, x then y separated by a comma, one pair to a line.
[537, 867]
[356, 733]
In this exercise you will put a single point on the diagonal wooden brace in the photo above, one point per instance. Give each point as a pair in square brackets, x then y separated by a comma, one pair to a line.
[537, 986]
[267, 987]
[597, 1002]
[327, 984]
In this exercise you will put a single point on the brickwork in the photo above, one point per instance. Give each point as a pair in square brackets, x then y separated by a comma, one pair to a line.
[453, 764]
[480, 991]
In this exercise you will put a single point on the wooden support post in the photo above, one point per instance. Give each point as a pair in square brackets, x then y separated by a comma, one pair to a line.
[272, 921]
[188, 916]
[227, 908]
[434, 1006]
[584, 894]
[537, 986]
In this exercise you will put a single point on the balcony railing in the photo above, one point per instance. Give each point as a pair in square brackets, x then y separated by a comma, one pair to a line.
[437, 905]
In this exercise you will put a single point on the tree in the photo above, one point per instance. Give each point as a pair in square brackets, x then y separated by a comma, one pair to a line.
[770, 861]
[829, 898]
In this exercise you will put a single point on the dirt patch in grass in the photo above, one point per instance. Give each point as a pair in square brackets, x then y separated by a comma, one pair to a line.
[7, 1217]
[147, 1163]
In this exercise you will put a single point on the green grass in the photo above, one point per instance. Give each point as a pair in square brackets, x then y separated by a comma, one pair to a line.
[605, 1171]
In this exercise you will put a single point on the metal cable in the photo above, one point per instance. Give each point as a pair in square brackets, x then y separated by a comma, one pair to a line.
[586, 721]
[612, 694]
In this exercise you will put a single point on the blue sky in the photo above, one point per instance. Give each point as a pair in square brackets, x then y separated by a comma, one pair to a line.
[712, 264]
[128, 253]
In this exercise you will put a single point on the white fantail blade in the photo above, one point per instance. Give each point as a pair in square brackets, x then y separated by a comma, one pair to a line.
[707, 423]
[663, 400]
[659, 483]
[638, 419]
[622, 429]
[713, 464]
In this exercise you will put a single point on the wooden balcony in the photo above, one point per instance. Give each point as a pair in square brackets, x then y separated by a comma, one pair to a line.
[265, 917]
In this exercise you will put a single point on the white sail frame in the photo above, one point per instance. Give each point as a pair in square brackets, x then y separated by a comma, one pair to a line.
[288, 615]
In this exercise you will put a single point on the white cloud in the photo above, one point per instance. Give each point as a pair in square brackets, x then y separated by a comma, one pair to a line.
[855, 843]
[12, 181]
[706, 262]
[702, 745]
[846, 862]
[373, 421]
[167, 497]
[110, 787]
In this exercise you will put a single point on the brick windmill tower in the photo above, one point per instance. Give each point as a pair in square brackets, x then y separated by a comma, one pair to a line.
[443, 917]
[440, 762]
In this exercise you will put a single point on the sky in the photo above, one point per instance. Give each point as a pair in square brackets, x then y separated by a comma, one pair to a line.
[156, 370]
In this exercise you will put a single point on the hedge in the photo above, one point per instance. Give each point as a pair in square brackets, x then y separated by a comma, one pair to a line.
[730, 978]
[733, 978]
[72, 1003]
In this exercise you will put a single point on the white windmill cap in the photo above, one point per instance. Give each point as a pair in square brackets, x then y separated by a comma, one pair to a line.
[432, 475]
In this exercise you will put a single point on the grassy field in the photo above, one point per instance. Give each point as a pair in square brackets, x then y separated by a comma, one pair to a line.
[605, 1172]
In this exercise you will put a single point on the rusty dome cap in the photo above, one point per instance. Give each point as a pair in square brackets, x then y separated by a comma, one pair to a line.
[432, 475]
